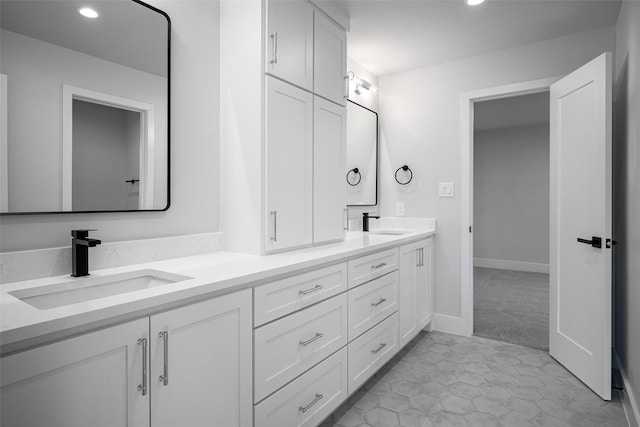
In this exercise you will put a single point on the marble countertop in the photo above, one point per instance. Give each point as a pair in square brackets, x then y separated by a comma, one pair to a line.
[213, 274]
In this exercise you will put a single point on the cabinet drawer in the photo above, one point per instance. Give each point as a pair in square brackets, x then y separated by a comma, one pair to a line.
[371, 266]
[287, 347]
[307, 400]
[371, 303]
[277, 299]
[370, 351]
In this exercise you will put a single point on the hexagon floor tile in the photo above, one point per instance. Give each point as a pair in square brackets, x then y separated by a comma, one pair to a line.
[442, 380]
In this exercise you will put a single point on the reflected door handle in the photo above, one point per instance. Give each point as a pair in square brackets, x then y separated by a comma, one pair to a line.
[595, 242]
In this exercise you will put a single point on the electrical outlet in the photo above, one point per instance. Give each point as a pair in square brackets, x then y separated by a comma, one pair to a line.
[400, 209]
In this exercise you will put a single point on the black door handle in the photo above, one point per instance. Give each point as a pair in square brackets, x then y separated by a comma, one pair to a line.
[596, 242]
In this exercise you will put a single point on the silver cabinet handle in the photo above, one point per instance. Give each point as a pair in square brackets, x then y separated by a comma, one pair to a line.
[382, 264]
[164, 378]
[308, 291]
[317, 336]
[274, 38]
[421, 257]
[313, 402]
[382, 345]
[143, 387]
[375, 304]
[274, 214]
[346, 86]
[418, 261]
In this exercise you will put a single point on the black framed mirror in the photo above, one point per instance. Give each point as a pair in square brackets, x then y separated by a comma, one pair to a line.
[85, 106]
[361, 175]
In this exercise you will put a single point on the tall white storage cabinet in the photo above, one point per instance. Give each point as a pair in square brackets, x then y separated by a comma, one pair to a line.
[283, 68]
[416, 276]
[90, 380]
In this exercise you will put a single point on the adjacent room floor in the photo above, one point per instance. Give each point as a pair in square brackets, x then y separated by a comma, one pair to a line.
[511, 306]
[447, 380]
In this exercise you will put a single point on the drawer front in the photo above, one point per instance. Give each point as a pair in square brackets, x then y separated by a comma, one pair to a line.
[310, 398]
[370, 351]
[277, 299]
[371, 266]
[372, 302]
[287, 347]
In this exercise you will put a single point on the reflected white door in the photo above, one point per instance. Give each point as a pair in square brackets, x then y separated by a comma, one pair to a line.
[580, 272]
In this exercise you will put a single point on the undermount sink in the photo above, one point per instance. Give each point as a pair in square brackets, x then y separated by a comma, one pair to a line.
[87, 289]
[389, 232]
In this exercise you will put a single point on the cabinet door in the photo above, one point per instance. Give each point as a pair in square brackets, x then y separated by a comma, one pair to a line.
[424, 283]
[408, 319]
[330, 60]
[329, 160]
[289, 151]
[289, 41]
[89, 380]
[207, 352]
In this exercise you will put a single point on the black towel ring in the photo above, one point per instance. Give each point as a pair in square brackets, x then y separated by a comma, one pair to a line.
[404, 168]
[355, 174]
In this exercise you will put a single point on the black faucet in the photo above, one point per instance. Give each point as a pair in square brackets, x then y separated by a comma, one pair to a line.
[365, 220]
[80, 245]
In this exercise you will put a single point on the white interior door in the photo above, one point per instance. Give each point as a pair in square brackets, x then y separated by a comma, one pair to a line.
[580, 272]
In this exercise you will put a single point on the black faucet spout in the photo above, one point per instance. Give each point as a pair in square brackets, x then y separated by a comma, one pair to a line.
[80, 245]
[365, 220]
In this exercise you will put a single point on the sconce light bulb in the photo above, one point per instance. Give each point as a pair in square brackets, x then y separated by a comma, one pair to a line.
[87, 12]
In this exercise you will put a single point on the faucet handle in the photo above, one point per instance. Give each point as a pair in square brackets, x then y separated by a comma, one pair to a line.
[81, 234]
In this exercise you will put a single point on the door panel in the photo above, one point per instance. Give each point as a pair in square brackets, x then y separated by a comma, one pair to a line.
[580, 274]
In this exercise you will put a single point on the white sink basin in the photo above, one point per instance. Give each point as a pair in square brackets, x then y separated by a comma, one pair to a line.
[86, 289]
[389, 232]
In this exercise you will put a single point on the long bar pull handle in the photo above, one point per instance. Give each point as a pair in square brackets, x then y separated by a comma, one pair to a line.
[382, 345]
[308, 291]
[304, 409]
[346, 219]
[274, 214]
[375, 304]
[165, 371]
[595, 242]
[421, 257]
[346, 87]
[143, 387]
[274, 38]
[317, 336]
[375, 267]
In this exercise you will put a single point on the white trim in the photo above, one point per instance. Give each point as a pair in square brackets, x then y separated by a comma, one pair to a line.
[4, 151]
[467, 100]
[449, 324]
[147, 139]
[505, 264]
[628, 397]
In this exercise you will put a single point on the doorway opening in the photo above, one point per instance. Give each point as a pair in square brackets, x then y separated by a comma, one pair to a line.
[511, 219]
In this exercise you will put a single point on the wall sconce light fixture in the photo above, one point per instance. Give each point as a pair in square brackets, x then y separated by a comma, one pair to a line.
[361, 83]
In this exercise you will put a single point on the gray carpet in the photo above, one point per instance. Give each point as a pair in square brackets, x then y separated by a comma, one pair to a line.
[511, 306]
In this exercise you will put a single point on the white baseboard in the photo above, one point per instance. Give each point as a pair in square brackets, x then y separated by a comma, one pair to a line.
[448, 324]
[628, 397]
[504, 264]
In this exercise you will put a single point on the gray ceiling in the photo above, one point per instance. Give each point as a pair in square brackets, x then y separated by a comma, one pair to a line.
[390, 36]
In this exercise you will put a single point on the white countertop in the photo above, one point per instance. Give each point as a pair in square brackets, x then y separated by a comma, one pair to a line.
[214, 274]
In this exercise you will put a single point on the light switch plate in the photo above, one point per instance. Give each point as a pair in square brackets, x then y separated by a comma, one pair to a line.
[399, 208]
[445, 189]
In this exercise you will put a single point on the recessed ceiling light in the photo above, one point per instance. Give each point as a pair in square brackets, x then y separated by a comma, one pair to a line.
[474, 2]
[87, 12]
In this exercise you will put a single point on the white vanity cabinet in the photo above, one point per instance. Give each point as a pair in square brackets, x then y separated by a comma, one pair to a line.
[94, 379]
[330, 60]
[415, 267]
[289, 41]
[289, 163]
[329, 164]
[191, 366]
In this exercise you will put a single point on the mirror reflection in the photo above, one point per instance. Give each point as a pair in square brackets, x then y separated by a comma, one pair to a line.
[84, 106]
[362, 155]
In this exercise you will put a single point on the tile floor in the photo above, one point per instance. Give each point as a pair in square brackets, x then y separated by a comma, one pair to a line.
[446, 380]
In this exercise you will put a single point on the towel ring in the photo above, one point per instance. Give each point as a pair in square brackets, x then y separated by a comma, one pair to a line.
[354, 174]
[405, 168]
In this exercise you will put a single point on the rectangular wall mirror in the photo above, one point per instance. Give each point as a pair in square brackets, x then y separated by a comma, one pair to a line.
[362, 155]
[84, 106]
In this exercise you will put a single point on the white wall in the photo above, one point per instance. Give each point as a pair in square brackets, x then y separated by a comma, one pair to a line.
[626, 148]
[511, 194]
[419, 116]
[195, 144]
[36, 71]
